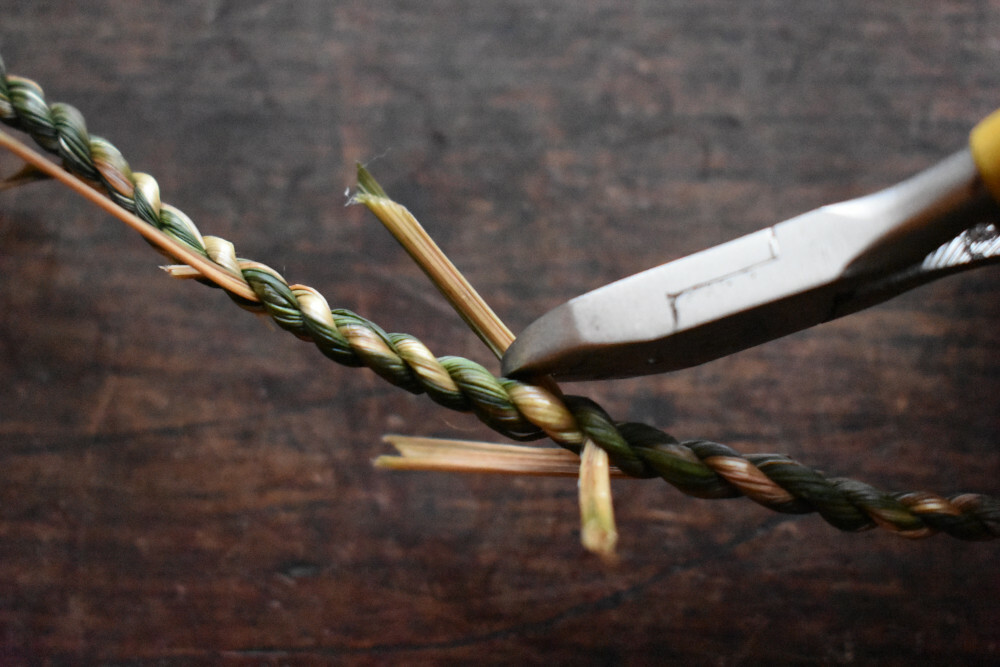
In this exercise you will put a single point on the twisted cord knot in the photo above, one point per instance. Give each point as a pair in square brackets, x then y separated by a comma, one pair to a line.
[516, 409]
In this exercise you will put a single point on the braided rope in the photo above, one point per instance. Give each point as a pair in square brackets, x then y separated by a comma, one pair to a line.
[517, 409]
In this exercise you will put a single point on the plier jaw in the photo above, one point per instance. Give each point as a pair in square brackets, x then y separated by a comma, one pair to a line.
[830, 262]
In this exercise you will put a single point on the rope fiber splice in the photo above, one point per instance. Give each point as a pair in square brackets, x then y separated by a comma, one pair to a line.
[511, 407]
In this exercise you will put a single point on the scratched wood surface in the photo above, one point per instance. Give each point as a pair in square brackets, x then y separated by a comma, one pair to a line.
[183, 482]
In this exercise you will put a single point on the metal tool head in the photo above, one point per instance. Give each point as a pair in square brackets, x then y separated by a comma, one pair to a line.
[815, 267]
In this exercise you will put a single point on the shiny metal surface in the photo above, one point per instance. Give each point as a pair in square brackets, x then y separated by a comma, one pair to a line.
[818, 266]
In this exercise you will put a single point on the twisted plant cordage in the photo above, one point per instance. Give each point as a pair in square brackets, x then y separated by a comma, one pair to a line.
[515, 408]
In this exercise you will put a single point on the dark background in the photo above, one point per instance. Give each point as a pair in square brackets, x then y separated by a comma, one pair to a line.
[182, 480]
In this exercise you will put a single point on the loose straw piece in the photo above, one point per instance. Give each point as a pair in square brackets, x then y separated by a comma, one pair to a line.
[205, 267]
[598, 531]
[421, 453]
[431, 259]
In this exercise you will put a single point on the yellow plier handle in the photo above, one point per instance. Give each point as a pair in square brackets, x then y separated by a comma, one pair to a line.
[984, 143]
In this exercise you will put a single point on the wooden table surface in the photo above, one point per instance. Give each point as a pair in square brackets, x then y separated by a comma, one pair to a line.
[185, 482]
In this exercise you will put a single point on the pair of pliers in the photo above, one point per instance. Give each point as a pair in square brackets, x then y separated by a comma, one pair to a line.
[830, 262]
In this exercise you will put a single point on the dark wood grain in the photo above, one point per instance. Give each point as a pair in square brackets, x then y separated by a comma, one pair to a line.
[182, 481]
